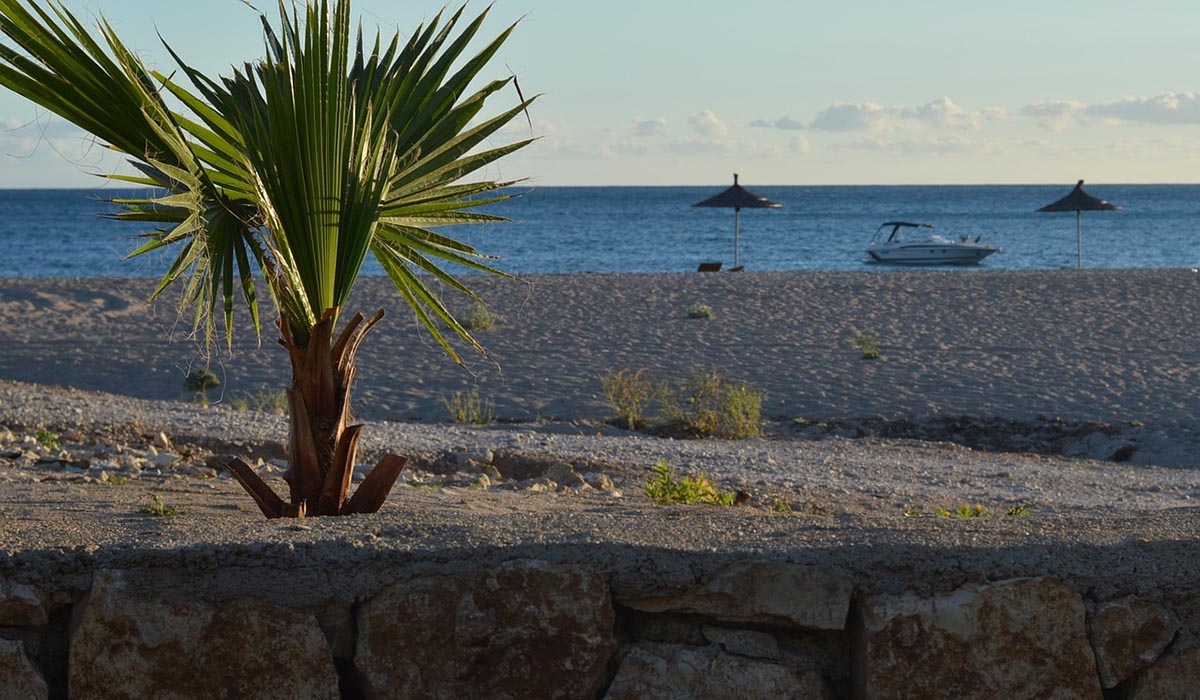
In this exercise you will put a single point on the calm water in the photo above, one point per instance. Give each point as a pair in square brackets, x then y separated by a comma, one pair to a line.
[654, 229]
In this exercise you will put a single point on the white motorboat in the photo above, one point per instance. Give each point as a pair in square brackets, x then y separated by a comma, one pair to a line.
[908, 243]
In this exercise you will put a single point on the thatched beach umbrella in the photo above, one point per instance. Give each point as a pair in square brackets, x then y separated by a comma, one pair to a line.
[1079, 201]
[738, 197]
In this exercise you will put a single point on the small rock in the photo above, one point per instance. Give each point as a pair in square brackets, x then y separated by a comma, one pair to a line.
[473, 458]
[599, 481]
[164, 459]
[162, 441]
[564, 475]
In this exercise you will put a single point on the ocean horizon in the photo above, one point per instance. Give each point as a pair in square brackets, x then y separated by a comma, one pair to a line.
[571, 229]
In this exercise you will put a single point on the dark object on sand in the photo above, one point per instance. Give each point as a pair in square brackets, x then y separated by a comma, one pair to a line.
[1079, 201]
[201, 380]
[739, 198]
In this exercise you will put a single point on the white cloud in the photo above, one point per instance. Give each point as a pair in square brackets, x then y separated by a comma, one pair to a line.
[944, 114]
[1055, 115]
[649, 128]
[1167, 108]
[841, 116]
[708, 126]
[941, 113]
[785, 123]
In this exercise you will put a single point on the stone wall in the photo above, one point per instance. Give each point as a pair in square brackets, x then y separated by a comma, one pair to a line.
[531, 629]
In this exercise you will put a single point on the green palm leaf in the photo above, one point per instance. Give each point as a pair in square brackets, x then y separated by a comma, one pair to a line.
[294, 168]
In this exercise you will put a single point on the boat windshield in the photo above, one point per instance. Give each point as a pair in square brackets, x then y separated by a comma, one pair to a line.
[897, 231]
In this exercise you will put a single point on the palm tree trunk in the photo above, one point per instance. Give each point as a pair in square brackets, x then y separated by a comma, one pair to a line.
[322, 442]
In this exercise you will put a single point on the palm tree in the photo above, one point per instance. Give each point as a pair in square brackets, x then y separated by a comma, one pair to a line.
[284, 175]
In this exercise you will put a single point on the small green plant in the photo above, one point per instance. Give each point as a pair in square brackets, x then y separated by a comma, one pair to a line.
[963, 511]
[711, 406]
[665, 487]
[159, 508]
[1019, 510]
[114, 480]
[201, 380]
[468, 408]
[48, 439]
[479, 318]
[700, 311]
[262, 400]
[628, 393]
[868, 345]
[782, 506]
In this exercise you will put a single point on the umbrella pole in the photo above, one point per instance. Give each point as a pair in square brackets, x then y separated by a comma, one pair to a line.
[1079, 236]
[737, 214]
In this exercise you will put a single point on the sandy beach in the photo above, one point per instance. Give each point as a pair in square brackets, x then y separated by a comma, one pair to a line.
[1112, 345]
[1098, 345]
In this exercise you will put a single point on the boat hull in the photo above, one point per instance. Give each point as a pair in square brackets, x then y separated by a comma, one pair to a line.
[931, 254]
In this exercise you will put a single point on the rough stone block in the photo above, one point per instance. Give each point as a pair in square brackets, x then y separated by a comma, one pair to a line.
[19, 680]
[1127, 636]
[20, 606]
[1023, 638]
[128, 646]
[522, 630]
[674, 672]
[1175, 677]
[749, 643]
[764, 593]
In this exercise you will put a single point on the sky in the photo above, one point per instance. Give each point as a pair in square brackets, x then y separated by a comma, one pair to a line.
[784, 92]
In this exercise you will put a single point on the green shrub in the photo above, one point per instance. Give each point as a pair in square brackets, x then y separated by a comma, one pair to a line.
[868, 345]
[963, 511]
[159, 508]
[467, 407]
[665, 488]
[1019, 510]
[710, 406]
[628, 393]
[201, 380]
[48, 439]
[700, 311]
[479, 318]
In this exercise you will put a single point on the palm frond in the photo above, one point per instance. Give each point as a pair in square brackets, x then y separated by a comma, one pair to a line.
[295, 167]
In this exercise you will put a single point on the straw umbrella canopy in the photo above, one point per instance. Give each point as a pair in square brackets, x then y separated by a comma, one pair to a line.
[738, 198]
[1079, 201]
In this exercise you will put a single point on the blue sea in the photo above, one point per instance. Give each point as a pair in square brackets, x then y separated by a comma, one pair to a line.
[62, 233]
